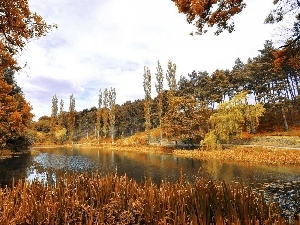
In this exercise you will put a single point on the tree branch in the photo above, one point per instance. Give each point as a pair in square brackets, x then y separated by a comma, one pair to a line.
[292, 42]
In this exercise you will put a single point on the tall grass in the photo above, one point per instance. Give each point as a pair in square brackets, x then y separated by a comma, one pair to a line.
[113, 199]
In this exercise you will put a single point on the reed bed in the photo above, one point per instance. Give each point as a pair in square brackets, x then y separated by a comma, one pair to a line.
[114, 199]
[252, 155]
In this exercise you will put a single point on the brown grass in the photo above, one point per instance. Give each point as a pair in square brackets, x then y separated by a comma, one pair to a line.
[91, 199]
[252, 155]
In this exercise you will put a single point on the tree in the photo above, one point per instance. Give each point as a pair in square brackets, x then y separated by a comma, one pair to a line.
[112, 112]
[98, 122]
[186, 119]
[159, 91]
[71, 118]
[230, 119]
[17, 26]
[207, 13]
[287, 12]
[171, 79]
[54, 111]
[171, 76]
[61, 113]
[105, 112]
[147, 106]
[15, 117]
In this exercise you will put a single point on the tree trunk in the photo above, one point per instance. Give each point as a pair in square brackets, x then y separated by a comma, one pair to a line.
[286, 127]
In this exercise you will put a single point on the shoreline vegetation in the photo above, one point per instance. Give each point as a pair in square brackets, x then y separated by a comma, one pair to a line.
[114, 199]
[268, 150]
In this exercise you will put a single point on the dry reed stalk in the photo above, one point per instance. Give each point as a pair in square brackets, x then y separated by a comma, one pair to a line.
[113, 199]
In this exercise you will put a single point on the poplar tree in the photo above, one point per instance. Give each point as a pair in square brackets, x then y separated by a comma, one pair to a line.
[61, 113]
[71, 118]
[105, 113]
[171, 76]
[98, 122]
[112, 112]
[147, 103]
[54, 111]
[159, 91]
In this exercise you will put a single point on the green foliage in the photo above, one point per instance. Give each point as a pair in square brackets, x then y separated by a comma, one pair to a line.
[230, 119]
[60, 136]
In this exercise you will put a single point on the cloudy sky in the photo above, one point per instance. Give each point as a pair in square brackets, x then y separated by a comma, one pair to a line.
[106, 43]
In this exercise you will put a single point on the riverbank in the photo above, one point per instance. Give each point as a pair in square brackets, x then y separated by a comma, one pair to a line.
[246, 154]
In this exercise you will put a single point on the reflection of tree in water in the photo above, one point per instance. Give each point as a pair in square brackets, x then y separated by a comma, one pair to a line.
[14, 167]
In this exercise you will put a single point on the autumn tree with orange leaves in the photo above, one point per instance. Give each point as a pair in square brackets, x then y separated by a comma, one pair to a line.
[208, 13]
[15, 115]
[17, 26]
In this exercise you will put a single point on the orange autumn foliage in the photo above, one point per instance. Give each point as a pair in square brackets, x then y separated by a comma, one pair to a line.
[15, 115]
[17, 25]
[204, 13]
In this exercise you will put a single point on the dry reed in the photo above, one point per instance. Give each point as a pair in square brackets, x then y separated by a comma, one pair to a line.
[252, 155]
[113, 199]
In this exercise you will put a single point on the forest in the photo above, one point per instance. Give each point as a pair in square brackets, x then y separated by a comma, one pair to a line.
[183, 111]
[267, 79]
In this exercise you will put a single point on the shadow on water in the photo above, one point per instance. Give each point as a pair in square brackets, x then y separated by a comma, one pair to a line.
[280, 183]
[15, 167]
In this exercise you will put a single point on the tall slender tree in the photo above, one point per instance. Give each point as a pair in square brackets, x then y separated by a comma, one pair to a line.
[112, 112]
[105, 113]
[147, 106]
[61, 113]
[159, 90]
[98, 122]
[71, 118]
[54, 112]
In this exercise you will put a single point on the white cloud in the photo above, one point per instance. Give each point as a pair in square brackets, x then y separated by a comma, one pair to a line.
[103, 44]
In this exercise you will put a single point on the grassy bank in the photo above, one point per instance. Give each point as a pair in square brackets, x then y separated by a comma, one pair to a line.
[244, 154]
[113, 199]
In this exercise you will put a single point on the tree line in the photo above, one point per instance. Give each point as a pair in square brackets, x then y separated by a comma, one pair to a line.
[183, 109]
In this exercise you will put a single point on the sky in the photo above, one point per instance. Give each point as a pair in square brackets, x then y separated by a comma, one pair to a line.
[106, 43]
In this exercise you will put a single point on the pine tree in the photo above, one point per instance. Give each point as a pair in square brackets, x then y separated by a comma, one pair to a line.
[147, 103]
